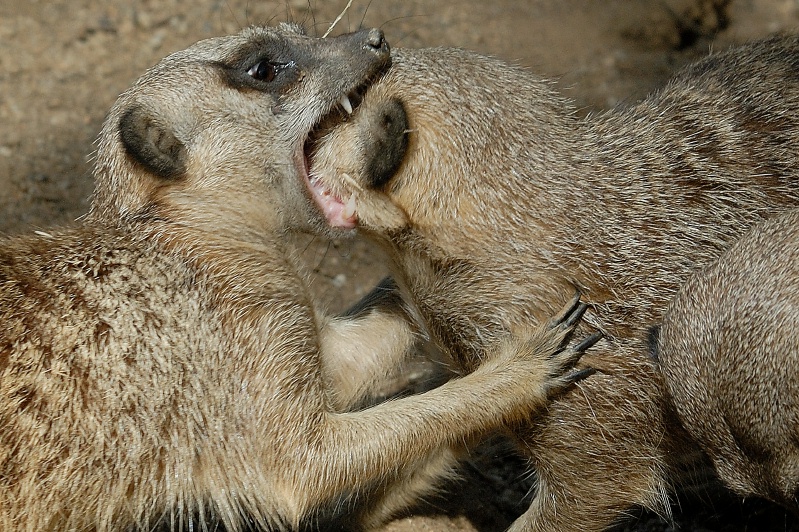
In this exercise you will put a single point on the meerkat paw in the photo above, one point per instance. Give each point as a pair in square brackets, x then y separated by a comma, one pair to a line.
[549, 353]
[563, 374]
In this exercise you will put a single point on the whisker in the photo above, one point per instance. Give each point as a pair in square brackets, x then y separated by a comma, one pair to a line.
[350, 181]
[233, 14]
[313, 17]
[365, 11]
[338, 19]
[406, 34]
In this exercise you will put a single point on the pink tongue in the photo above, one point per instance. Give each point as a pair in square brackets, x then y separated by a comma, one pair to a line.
[333, 208]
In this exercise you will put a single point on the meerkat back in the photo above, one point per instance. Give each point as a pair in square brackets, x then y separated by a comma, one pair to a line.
[729, 352]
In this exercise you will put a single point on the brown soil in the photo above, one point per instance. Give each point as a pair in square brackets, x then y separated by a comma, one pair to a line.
[64, 62]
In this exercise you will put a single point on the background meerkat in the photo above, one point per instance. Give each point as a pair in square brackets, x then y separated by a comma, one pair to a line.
[161, 363]
[494, 198]
[728, 350]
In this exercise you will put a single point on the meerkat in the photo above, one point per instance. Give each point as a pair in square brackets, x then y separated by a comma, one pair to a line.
[729, 354]
[494, 198]
[161, 363]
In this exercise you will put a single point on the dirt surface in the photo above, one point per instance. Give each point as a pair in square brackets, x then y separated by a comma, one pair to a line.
[63, 63]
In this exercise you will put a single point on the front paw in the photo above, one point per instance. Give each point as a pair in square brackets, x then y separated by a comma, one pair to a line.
[563, 374]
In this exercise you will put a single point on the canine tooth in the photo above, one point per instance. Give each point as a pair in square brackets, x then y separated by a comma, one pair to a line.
[349, 208]
[346, 104]
[347, 178]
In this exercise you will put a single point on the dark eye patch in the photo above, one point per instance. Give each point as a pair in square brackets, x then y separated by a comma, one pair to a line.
[262, 74]
[265, 64]
[266, 71]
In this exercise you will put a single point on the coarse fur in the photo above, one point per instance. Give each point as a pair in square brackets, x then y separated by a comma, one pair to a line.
[729, 353]
[161, 363]
[499, 200]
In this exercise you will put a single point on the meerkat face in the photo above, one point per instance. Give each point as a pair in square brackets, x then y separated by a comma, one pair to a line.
[223, 127]
[365, 162]
[353, 162]
[433, 145]
[441, 140]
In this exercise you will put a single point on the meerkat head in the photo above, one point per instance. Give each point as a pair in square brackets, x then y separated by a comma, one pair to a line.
[220, 130]
[441, 140]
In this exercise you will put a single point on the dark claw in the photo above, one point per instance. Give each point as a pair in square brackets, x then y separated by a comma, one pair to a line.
[576, 316]
[574, 304]
[588, 342]
[567, 320]
[579, 350]
[570, 380]
[579, 375]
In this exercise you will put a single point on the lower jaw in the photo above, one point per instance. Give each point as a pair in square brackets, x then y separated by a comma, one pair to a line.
[330, 210]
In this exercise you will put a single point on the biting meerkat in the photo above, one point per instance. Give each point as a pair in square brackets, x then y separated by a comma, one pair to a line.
[161, 363]
[729, 354]
[494, 199]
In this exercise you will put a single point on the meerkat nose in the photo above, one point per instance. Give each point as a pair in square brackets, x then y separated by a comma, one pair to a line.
[377, 40]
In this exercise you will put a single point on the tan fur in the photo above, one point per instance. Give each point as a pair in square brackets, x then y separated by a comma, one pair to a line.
[162, 365]
[506, 200]
[367, 351]
[729, 352]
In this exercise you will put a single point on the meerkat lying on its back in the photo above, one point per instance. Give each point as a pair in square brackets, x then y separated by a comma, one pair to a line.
[161, 364]
[729, 353]
[495, 200]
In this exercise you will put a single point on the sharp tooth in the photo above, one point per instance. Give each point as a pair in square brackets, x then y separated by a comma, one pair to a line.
[349, 208]
[346, 104]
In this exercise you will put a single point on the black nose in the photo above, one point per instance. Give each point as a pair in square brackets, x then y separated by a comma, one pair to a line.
[374, 40]
[377, 40]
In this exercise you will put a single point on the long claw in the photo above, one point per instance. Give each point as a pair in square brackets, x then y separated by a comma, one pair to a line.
[568, 381]
[576, 353]
[567, 311]
[575, 316]
[579, 375]
[588, 342]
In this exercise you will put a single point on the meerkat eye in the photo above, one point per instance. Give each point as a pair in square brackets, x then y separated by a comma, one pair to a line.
[263, 71]
[266, 71]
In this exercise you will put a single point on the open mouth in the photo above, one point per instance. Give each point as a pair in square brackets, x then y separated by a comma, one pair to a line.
[338, 211]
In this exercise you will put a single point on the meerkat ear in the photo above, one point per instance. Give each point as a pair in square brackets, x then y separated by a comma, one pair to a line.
[388, 142]
[152, 144]
[653, 342]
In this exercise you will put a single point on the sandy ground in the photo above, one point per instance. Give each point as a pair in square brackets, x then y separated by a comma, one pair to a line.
[63, 63]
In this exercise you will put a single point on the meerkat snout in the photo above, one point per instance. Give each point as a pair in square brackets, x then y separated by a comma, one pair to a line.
[386, 143]
[375, 40]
